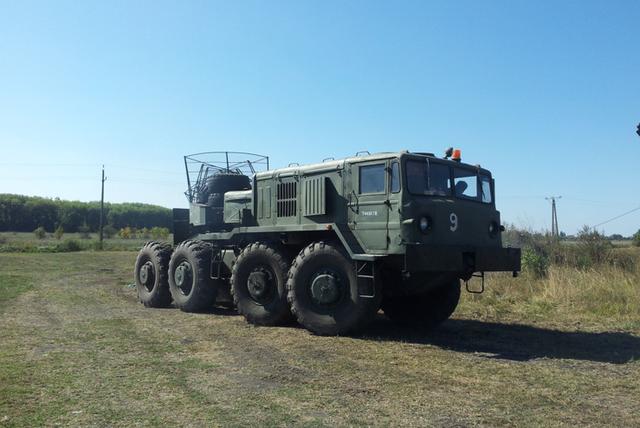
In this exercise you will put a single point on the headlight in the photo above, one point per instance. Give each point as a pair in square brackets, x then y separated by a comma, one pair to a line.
[424, 224]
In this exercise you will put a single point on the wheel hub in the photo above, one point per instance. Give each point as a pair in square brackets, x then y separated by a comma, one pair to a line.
[183, 277]
[147, 277]
[258, 284]
[325, 289]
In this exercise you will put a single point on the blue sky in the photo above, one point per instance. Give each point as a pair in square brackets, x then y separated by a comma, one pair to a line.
[546, 94]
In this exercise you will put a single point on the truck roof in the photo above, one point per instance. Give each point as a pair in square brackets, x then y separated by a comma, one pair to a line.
[330, 165]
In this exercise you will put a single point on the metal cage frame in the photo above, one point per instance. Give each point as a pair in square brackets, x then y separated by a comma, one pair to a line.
[210, 163]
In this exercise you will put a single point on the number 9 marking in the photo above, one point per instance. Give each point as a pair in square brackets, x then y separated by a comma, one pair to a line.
[453, 218]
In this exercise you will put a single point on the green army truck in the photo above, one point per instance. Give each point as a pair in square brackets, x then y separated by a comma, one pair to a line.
[328, 244]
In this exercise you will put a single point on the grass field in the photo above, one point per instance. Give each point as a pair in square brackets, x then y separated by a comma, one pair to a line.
[77, 349]
[23, 242]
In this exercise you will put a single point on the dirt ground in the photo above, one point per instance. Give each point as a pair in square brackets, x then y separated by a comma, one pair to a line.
[77, 349]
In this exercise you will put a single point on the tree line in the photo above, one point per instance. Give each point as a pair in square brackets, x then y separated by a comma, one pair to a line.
[20, 213]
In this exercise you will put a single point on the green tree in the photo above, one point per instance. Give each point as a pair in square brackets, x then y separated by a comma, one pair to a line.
[20, 213]
[58, 232]
[636, 238]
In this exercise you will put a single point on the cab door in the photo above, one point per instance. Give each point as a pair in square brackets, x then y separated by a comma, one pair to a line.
[394, 200]
[369, 204]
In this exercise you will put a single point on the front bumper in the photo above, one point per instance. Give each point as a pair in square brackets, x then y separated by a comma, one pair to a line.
[424, 258]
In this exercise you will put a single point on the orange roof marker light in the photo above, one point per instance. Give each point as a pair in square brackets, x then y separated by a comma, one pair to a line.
[457, 155]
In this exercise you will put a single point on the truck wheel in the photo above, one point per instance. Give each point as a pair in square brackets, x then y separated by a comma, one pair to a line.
[258, 285]
[151, 276]
[190, 280]
[426, 310]
[323, 292]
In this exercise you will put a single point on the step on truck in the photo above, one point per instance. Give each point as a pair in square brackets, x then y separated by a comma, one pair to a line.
[328, 244]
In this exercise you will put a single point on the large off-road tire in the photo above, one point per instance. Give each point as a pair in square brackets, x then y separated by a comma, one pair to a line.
[426, 310]
[220, 183]
[258, 285]
[190, 281]
[323, 292]
[150, 273]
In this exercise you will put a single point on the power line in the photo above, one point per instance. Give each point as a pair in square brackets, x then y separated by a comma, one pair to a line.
[93, 165]
[47, 178]
[135, 168]
[588, 201]
[166, 182]
[616, 217]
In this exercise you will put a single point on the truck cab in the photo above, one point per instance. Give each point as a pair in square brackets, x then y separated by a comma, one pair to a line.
[427, 214]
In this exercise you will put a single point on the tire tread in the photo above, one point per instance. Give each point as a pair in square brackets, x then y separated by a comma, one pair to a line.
[159, 253]
[204, 290]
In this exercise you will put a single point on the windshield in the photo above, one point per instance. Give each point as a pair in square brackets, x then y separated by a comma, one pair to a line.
[428, 179]
[432, 178]
[466, 183]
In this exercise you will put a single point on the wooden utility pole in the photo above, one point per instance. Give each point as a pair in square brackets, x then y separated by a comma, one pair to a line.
[102, 209]
[554, 216]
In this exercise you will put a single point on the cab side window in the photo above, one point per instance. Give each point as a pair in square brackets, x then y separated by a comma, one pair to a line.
[395, 177]
[372, 178]
[485, 187]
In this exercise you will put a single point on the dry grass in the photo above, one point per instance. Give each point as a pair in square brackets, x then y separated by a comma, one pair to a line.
[79, 350]
[604, 297]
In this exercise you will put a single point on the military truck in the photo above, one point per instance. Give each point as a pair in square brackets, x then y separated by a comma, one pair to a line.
[328, 244]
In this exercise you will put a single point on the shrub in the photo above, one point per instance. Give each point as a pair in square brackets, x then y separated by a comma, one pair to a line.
[535, 262]
[160, 233]
[109, 231]
[143, 233]
[126, 233]
[58, 232]
[96, 245]
[593, 247]
[636, 238]
[68, 245]
[513, 237]
[623, 258]
[40, 232]
[84, 231]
